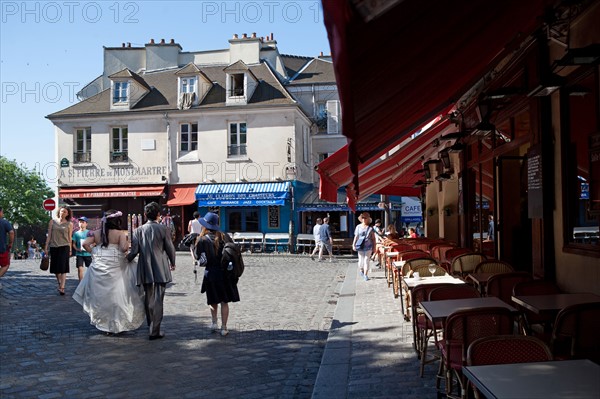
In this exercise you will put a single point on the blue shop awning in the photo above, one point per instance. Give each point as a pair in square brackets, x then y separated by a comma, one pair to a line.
[242, 194]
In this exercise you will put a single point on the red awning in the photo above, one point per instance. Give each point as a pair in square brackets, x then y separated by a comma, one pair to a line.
[110, 192]
[435, 50]
[396, 175]
[181, 195]
[393, 176]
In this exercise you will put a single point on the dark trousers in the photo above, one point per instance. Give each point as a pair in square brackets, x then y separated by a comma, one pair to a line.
[153, 302]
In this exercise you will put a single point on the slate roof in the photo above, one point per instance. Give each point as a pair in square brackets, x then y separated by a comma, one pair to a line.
[316, 71]
[293, 63]
[163, 93]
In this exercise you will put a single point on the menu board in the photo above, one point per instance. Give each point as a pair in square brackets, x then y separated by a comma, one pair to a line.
[274, 217]
[535, 198]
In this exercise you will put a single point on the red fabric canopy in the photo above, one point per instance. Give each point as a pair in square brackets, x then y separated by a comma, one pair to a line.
[402, 67]
[184, 194]
[393, 176]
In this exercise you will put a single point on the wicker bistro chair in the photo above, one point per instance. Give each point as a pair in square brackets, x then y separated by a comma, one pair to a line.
[461, 329]
[438, 252]
[453, 253]
[506, 349]
[501, 285]
[423, 328]
[423, 271]
[493, 266]
[531, 322]
[575, 334]
[406, 272]
[383, 259]
[465, 263]
[453, 291]
[404, 256]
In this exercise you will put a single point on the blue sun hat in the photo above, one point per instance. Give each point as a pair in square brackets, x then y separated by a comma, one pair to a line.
[210, 221]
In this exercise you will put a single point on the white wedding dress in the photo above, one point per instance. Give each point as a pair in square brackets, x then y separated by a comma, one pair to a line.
[108, 292]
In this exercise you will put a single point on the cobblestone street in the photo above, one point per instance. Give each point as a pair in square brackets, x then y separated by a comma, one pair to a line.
[278, 337]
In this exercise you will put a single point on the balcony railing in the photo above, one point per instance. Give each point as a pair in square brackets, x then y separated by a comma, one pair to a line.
[236, 150]
[80, 157]
[119, 156]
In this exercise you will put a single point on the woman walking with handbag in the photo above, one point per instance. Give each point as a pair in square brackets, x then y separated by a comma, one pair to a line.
[59, 242]
[364, 242]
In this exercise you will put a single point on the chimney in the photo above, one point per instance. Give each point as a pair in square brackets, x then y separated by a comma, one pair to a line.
[235, 36]
[244, 36]
[253, 35]
[128, 44]
[172, 41]
[151, 41]
[321, 54]
[271, 35]
[162, 41]
[122, 44]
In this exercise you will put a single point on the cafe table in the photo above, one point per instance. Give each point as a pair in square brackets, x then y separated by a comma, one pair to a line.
[438, 311]
[553, 303]
[480, 280]
[555, 379]
[412, 282]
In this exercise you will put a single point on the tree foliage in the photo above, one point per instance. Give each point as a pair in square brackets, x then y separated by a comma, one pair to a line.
[22, 192]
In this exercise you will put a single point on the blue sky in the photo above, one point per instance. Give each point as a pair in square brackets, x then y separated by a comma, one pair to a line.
[50, 49]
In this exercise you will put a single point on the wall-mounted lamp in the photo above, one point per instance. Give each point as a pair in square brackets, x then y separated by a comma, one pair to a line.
[163, 178]
[445, 157]
[430, 212]
[448, 211]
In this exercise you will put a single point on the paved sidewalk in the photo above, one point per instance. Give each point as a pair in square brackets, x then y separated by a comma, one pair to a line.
[369, 352]
[276, 346]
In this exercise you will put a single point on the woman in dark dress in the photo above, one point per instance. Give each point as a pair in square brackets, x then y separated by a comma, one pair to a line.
[58, 241]
[219, 284]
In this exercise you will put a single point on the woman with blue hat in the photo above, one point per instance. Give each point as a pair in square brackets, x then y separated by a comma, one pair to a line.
[220, 286]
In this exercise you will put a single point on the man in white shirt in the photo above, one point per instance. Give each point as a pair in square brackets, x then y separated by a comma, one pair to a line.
[194, 225]
[317, 235]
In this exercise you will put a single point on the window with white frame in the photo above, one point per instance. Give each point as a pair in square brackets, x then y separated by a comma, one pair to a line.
[237, 139]
[236, 84]
[188, 137]
[83, 145]
[118, 150]
[188, 85]
[120, 92]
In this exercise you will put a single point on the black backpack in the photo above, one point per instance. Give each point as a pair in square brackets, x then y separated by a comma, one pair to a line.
[232, 253]
[189, 239]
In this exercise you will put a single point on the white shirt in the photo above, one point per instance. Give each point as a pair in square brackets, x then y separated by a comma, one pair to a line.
[316, 232]
[196, 226]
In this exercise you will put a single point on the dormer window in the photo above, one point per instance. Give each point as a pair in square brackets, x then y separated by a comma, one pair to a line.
[188, 85]
[120, 92]
[236, 84]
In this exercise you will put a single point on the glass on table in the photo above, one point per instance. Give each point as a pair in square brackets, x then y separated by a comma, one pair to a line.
[432, 269]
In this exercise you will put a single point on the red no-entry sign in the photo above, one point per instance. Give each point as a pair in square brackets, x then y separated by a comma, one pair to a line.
[49, 204]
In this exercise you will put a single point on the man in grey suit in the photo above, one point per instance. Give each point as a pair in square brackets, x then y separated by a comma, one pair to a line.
[152, 242]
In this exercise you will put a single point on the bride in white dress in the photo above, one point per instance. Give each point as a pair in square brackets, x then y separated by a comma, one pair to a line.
[108, 291]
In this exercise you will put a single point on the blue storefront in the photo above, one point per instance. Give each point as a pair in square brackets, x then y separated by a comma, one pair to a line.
[248, 207]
